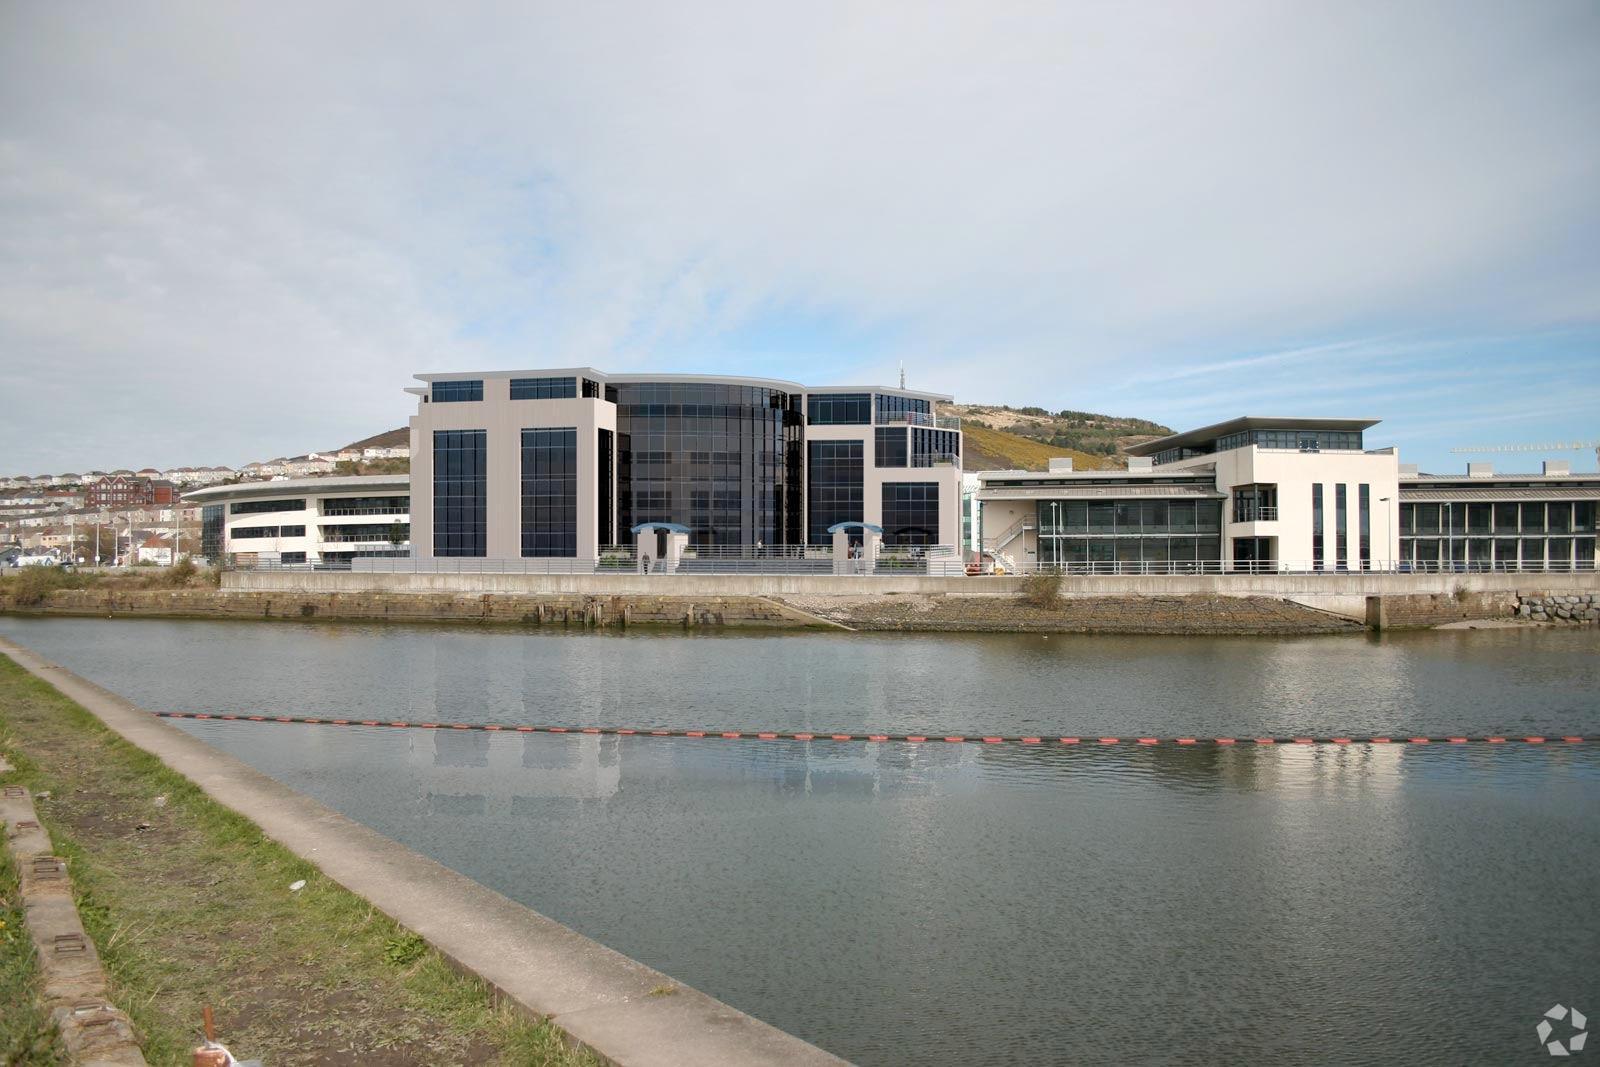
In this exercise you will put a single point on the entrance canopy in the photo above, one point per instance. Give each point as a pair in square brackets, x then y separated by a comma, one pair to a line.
[836, 527]
[670, 527]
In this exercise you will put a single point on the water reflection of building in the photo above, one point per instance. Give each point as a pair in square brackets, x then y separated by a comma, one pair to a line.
[470, 772]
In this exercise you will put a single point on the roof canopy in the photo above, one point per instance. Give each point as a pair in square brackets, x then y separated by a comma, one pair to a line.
[1249, 422]
[670, 527]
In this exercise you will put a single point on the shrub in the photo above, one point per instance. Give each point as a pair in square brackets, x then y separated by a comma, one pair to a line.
[181, 572]
[30, 585]
[1042, 589]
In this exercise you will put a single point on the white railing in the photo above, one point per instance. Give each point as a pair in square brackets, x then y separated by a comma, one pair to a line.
[917, 418]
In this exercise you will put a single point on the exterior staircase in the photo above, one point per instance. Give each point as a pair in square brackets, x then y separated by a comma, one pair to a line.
[996, 546]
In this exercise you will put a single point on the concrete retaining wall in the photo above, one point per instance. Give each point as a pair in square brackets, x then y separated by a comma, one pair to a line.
[1420, 610]
[1308, 588]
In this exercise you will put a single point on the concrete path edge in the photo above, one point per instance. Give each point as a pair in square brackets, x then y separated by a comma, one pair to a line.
[598, 997]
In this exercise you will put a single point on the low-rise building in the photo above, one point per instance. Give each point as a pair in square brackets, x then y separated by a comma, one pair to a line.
[124, 490]
[328, 521]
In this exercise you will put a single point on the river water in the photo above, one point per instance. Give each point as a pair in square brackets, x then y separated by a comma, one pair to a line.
[969, 904]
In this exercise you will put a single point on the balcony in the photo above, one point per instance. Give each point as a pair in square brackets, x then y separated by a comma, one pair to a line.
[935, 459]
[917, 418]
[1256, 513]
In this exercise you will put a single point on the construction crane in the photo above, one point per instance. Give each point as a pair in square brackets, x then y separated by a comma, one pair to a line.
[1555, 446]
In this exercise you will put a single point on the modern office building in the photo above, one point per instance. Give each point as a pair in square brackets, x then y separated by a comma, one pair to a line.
[562, 463]
[306, 520]
[1284, 494]
[1248, 494]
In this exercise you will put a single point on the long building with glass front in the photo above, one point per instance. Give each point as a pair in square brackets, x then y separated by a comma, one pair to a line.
[1284, 494]
[565, 462]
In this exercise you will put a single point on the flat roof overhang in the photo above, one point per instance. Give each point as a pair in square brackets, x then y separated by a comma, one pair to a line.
[1487, 493]
[1103, 492]
[780, 384]
[361, 483]
[1248, 422]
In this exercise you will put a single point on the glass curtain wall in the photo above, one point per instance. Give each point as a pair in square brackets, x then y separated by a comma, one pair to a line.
[722, 460]
[1141, 534]
[1500, 535]
[834, 493]
[550, 492]
[460, 492]
[211, 532]
[910, 513]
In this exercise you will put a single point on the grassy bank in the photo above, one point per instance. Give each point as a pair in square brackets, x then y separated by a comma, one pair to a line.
[190, 904]
[26, 1035]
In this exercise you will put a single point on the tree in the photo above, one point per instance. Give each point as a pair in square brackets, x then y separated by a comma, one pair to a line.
[397, 533]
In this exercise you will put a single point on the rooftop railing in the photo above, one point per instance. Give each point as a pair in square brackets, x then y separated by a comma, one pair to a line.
[917, 418]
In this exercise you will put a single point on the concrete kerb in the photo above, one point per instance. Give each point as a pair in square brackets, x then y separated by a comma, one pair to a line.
[600, 998]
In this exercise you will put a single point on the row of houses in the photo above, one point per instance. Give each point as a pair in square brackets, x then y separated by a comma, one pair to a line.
[309, 465]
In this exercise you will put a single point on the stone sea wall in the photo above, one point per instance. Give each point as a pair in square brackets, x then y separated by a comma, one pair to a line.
[1560, 608]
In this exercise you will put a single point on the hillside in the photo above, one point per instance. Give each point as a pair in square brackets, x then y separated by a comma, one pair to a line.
[1098, 435]
[399, 438]
[984, 449]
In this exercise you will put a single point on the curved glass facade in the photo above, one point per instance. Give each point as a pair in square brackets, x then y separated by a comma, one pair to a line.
[723, 460]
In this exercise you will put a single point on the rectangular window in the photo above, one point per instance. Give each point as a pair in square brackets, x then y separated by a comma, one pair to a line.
[544, 388]
[1505, 518]
[834, 474]
[607, 478]
[929, 447]
[1533, 518]
[1364, 525]
[890, 447]
[1316, 526]
[550, 492]
[1340, 527]
[292, 557]
[259, 507]
[460, 492]
[903, 409]
[367, 505]
[839, 409]
[211, 534]
[456, 392]
[910, 513]
[1560, 520]
[291, 531]
[251, 533]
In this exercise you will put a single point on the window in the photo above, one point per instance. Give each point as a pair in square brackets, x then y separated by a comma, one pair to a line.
[456, 392]
[550, 492]
[292, 557]
[251, 533]
[1340, 521]
[891, 446]
[291, 531]
[1255, 503]
[364, 531]
[833, 487]
[1316, 526]
[544, 388]
[934, 446]
[259, 507]
[460, 492]
[367, 505]
[211, 531]
[897, 408]
[839, 409]
[910, 513]
[606, 478]
[1364, 525]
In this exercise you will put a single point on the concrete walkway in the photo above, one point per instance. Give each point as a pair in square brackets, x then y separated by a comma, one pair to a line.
[597, 996]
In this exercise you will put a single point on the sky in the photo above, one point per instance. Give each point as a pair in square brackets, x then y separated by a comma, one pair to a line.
[234, 231]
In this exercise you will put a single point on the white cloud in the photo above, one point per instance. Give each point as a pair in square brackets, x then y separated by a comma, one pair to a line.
[233, 231]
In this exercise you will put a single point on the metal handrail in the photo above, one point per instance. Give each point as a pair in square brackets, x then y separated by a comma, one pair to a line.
[917, 418]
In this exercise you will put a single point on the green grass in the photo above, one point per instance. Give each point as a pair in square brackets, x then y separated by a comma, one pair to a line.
[195, 909]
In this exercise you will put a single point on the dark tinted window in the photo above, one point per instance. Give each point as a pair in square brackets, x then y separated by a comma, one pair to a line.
[833, 487]
[258, 507]
[891, 450]
[455, 392]
[911, 513]
[544, 388]
[839, 409]
[460, 492]
[550, 492]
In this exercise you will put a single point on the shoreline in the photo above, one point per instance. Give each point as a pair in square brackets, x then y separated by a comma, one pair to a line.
[1188, 614]
[600, 999]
